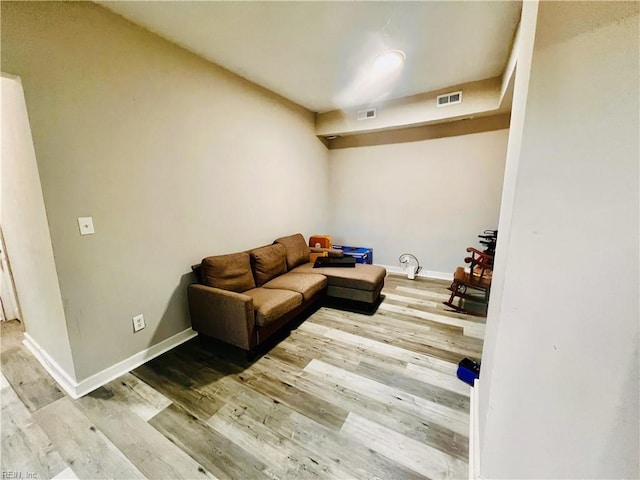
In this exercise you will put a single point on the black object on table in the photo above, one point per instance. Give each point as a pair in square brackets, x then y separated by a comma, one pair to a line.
[334, 262]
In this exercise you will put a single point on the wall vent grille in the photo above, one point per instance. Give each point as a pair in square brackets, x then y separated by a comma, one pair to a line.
[367, 114]
[449, 99]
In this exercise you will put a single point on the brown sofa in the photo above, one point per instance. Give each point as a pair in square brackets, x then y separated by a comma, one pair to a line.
[244, 298]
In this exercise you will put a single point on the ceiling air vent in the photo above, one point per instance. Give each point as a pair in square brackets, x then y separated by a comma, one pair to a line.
[367, 114]
[449, 99]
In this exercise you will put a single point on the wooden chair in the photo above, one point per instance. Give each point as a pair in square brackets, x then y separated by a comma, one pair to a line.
[477, 277]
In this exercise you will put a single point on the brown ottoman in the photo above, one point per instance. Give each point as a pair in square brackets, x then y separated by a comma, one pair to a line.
[362, 283]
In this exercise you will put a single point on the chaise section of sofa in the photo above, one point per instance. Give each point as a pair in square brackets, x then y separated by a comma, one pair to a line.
[363, 283]
[244, 298]
[360, 284]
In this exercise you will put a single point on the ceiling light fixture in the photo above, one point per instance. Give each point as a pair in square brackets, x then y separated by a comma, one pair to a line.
[389, 61]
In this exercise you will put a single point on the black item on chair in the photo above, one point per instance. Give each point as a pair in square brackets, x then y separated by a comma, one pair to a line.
[488, 240]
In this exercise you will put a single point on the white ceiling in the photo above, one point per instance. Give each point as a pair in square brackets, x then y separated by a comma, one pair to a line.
[317, 53]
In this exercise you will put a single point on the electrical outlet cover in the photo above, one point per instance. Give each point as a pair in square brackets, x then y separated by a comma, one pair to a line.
[138, 323]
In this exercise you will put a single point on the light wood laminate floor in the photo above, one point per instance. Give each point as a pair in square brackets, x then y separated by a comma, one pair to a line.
[343, 396]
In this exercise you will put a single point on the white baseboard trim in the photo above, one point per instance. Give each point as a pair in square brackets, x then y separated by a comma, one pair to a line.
[61, 377]
[78, 389]
[421, 273]
[474, 434]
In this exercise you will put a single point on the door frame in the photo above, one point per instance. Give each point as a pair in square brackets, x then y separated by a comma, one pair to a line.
[8, 297]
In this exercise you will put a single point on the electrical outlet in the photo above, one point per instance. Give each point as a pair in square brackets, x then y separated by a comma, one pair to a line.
[138, 323]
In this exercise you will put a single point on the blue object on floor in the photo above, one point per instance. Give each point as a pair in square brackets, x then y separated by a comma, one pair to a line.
[468, 370]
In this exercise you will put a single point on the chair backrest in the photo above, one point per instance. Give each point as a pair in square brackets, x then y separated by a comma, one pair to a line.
[480, 266]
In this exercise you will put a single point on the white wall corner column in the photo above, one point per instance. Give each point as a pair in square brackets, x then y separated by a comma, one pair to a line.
[560, 379]
[26, 233]
[525, 39]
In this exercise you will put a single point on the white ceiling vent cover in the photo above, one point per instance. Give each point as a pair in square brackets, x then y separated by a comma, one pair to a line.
[367, 114]
[449, 99]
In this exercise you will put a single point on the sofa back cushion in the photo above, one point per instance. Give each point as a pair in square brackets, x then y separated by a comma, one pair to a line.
[268, 262]
[297, 250]
[229, 272]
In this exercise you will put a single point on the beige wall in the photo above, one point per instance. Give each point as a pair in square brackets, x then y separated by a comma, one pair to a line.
[24, 223]
[174, 158]
[430, 198]
[561, 386]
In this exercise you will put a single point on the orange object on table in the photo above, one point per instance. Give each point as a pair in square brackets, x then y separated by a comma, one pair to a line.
[314, 256]
[320, 241]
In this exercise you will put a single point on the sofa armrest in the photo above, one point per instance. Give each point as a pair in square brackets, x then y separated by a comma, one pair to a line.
[221, 314]
[332, 252]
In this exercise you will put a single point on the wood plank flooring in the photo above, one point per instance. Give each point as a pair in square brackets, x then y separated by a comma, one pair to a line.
[344, 396]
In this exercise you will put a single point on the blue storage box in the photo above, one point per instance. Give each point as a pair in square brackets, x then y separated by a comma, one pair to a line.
[468, 370]
[361, 254]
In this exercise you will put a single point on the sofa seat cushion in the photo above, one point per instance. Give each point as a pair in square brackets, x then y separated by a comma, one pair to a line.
[362, 277]
[268, 262]
[229, 272]
[271, 304]
[307, 284]
[297, 250]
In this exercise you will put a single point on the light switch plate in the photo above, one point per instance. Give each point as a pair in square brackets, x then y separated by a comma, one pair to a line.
[86, 225]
